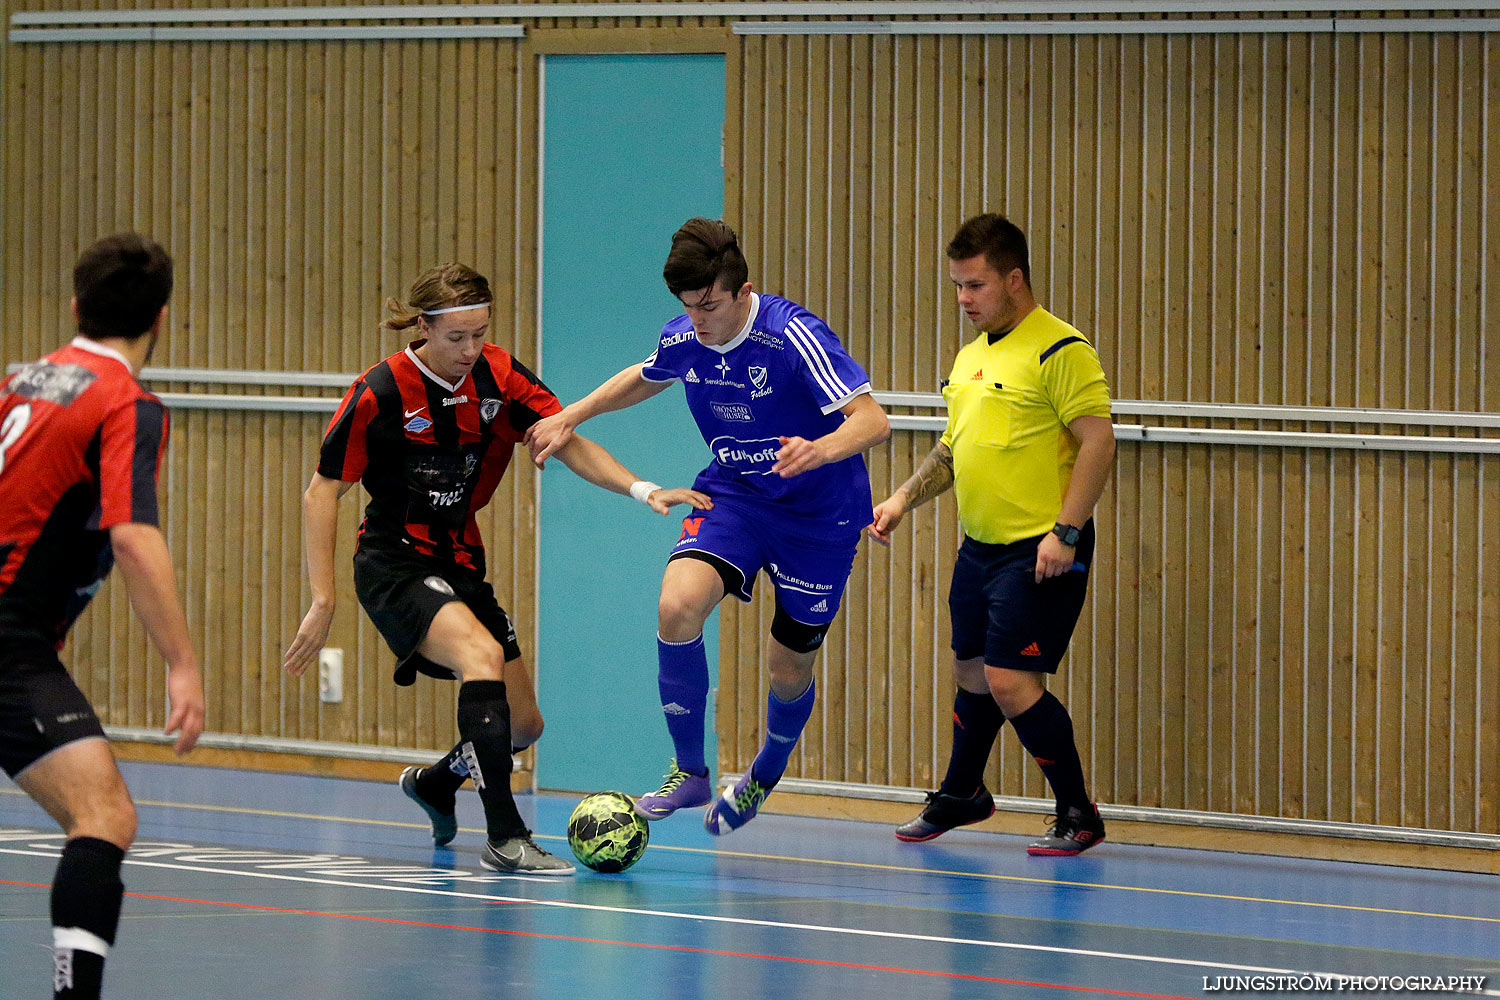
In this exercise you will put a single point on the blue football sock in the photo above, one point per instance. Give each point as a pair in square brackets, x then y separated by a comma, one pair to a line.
[682, 678]
[785, 721]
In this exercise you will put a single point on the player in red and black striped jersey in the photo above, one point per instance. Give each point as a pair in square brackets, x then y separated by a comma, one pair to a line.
[429, 431]
[80, 449]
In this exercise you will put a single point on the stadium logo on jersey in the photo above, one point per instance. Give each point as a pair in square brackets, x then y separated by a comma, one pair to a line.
[732, 411]
[418, 424]
[691, 376]
[758, 376]
[454, 400]
[440, 585]
[489, 409]
[752, 458]
[60, 384]
[678, 338]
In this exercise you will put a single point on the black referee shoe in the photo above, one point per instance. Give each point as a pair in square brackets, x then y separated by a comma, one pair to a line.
[1074, 831]
[943, 812]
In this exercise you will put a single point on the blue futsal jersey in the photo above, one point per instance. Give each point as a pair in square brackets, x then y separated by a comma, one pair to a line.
[784, 375]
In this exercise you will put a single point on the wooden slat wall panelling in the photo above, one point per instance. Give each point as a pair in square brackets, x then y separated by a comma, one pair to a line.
[1231, 218]
[1255, 217]
[293, 186]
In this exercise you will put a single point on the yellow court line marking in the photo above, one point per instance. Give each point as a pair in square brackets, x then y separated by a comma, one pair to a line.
[848, 864]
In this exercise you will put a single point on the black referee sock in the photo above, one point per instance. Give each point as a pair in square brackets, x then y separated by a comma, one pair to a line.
[976, 723]
[439, 784]
[484, 725]
[86, 895]
[1046, 731]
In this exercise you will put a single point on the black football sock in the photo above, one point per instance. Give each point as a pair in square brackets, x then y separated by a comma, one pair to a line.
[86, 896]
[439, 783]
[1046, 731]
[976, 723]
[484, 725]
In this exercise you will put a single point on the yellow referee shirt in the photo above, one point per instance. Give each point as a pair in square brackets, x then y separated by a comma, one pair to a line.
[1009, 406]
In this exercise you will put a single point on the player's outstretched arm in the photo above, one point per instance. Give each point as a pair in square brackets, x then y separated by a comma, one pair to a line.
[549, 435]
[320, 512]
[141, 552]
[591, 461]
[933, 477]
[865, 425]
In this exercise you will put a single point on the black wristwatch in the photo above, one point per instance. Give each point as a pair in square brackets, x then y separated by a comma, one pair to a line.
[1067, 532]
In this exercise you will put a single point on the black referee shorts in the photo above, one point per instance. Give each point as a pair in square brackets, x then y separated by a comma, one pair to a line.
[41, 709]
[402, 594]
[1000, 611]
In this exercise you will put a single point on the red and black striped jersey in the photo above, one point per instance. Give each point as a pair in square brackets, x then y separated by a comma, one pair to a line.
[431, 453]
[80, 451]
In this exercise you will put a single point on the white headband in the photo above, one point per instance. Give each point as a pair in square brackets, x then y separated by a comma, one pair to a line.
[455, 309]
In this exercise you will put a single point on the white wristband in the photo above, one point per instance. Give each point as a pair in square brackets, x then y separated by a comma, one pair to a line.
[641, 489]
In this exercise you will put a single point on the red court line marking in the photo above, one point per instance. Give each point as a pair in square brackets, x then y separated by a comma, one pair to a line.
[641, 944]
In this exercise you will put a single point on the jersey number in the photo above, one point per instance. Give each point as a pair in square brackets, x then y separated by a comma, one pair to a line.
[13, 427]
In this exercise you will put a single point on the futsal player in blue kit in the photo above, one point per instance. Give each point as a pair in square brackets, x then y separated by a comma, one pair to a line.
[787, 415]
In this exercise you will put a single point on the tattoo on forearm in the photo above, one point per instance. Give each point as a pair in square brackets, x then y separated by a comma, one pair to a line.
[934, 476]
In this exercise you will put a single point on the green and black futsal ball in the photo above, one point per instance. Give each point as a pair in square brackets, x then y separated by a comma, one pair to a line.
[606, 834]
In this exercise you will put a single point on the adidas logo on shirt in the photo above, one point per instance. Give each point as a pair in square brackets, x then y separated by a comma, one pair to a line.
[820, 606]
[672, 708]
[691, 376]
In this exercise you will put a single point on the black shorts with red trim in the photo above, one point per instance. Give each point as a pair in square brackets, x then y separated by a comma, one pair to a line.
[1000, 611]
[402, 593]
[41, 709]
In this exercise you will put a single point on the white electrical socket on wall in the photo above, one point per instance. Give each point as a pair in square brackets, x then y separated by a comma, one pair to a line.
[331, 675]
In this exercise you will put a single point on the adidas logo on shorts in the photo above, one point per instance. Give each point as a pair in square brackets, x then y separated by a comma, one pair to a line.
[672, 708]
[820, 606]
[691, 376]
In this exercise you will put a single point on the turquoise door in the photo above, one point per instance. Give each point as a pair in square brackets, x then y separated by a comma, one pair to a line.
[633, 147]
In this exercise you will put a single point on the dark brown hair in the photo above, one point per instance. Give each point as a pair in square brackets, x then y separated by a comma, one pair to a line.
[1000, 241]
[121, 284]
[705, 252]
[437, 288]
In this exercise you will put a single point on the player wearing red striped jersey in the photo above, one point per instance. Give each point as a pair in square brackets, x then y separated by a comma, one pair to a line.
[80, 449]
[429, 431]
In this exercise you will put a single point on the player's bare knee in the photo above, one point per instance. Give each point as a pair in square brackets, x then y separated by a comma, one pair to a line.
[970, 675]
[526, 725]
[679, 617]
[114, 820]
[1014, 690]
[484, 659]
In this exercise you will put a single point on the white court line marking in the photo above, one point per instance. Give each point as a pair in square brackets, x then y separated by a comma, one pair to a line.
[860, 865]
[740, 921]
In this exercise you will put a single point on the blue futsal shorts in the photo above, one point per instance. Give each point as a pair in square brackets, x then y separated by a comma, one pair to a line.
[1000, 611]
[808, 560]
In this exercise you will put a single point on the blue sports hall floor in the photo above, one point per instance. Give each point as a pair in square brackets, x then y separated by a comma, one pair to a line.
[252, 885]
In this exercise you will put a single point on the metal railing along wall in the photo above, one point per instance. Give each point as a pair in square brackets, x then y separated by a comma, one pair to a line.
[934, 401]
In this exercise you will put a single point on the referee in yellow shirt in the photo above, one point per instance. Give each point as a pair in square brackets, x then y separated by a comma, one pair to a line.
[1028, 449]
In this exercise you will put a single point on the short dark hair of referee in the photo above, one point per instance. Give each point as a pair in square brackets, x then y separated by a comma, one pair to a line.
[1027, 449]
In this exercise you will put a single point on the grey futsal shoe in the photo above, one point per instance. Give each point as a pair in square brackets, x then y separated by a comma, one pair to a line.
[444, 825]
[519, 855]
[1073, 832]
[943, 812]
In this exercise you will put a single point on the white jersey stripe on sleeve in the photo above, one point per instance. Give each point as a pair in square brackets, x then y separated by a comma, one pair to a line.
[795, 340]
[802, 332]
